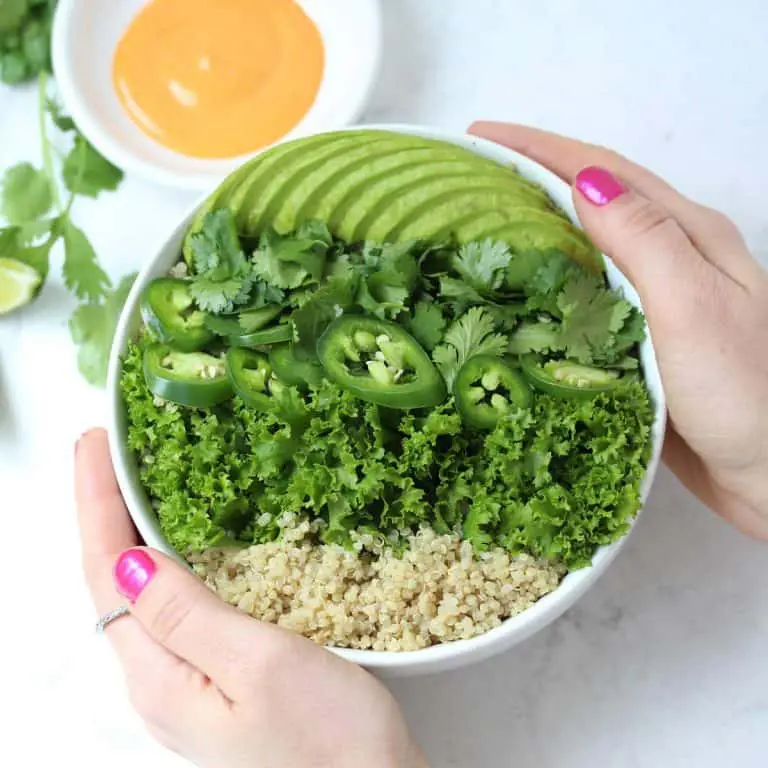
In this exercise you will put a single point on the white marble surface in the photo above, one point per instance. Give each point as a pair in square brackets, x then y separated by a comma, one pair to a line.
[665, 663]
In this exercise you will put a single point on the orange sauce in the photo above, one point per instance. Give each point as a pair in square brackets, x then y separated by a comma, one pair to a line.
[218, 78]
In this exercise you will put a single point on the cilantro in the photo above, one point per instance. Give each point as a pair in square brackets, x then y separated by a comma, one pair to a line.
[535, 337]
[482, 265]
[427, 324]
[82, 273]
[591, 314]
[86, 172]
[390, 273]
[293, 260]
[472, 334]
[223, 278]
[25, 195]
[92, 326]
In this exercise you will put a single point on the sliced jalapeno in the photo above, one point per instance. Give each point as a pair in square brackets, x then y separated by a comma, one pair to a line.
[275, 335]
[380, 362]
[252, 377]
[194, 379]
[486, 388]
[562, 378]
[293, 369]
[168, 310]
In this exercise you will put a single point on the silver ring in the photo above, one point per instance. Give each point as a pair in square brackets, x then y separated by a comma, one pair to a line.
[106, 620]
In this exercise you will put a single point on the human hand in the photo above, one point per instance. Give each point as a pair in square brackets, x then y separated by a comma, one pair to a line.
[706, 302]
[216, 686]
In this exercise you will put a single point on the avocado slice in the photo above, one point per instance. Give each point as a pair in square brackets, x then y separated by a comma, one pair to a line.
[442, 203]
[466, 229]
[374, 215]
[264, 196]
[312, 195]
[230, 192]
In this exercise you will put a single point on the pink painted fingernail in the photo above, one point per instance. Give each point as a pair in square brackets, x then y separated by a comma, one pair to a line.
[134, 569]
[598, 185]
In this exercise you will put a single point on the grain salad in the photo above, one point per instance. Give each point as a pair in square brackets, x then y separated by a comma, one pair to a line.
[390, 419]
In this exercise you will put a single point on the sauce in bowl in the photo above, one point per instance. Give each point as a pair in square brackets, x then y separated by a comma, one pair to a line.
[218, 78]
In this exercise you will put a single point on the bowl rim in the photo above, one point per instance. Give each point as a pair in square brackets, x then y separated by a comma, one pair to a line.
[512, 630]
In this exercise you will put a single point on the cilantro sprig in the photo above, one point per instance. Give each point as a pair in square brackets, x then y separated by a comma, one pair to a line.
[39, 218]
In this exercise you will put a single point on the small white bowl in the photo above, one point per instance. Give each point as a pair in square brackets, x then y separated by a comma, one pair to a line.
[86, 33]
[438, 657]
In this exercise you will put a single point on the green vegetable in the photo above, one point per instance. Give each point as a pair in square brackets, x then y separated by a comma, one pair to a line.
[194, 379]
[487, 389]
[168, 310]
[30, 201]
[472, 334]
[222, 276]
[570, 380]
[380, 363]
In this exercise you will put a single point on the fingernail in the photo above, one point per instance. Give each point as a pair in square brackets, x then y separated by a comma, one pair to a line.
[134, 569]
[598, 185]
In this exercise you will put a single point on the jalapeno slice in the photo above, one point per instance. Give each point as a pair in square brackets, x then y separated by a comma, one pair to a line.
[562, 378]
[293, 369]
[275, 335]
[486, 388]
[380, 362]
[195, 379]
[168, 310]
[252, 377]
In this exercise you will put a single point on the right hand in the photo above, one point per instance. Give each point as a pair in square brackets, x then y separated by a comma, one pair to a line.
[706, 302]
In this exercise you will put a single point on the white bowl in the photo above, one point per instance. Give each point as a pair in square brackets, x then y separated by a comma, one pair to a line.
[86, 33]
[438, 657]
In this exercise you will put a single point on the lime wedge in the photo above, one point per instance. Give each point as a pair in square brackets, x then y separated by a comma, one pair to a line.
[18, 284]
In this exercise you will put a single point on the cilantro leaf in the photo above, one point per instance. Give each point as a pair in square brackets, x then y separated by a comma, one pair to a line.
[459, 295]
[592, 315]
[92, 326]
[82, 273]
[293, 260]
[427, 324]
[86, 172]
[25, 194]
[482, 265]
[222, 278]
[390, 273]
[535, 337]
[472, 334]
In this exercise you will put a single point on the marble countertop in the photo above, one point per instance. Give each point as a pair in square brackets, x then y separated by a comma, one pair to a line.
[664, 664]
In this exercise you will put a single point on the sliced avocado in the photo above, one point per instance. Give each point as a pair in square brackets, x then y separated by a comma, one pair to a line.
[230, 192]
[535, 236]
[319, 184]
[448, 205]
[264, 195]
[467, 229]
[374, 216]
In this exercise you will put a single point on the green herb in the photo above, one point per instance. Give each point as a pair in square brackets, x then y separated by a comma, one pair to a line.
[482, 265]
[28, 195]
[427, 324]
[222, 276]
[472, 334]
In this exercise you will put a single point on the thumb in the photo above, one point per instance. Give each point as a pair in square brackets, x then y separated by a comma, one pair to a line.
[183, 615]
[641, 237]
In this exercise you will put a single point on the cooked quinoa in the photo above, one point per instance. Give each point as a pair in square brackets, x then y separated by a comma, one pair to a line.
[435, 591]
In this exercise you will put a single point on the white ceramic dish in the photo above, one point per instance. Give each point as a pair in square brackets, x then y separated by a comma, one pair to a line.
[85, 35]
[438, 657]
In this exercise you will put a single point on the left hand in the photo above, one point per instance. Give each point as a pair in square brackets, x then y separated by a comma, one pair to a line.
[214, 685]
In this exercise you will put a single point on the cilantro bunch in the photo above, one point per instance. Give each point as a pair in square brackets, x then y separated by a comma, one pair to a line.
[37, 204]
